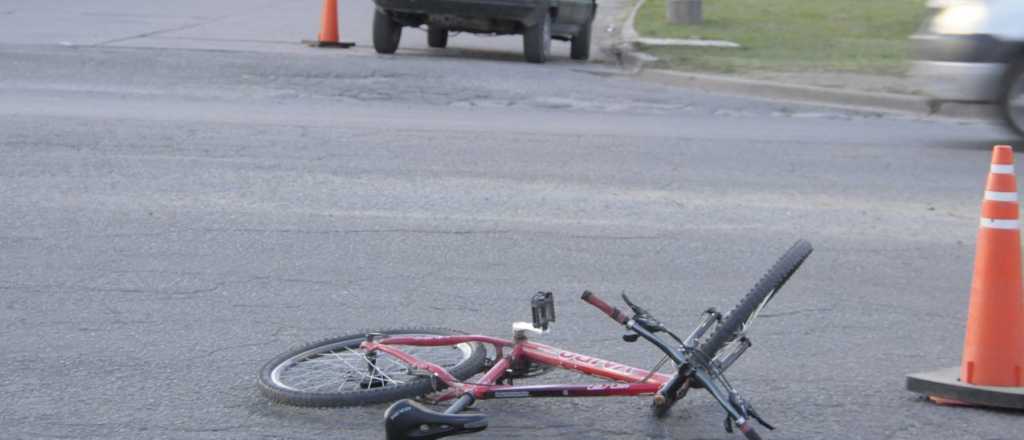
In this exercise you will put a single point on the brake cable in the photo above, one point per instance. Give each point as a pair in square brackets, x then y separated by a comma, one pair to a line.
[654, 370]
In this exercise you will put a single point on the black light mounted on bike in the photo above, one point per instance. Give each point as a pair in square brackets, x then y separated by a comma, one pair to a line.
[543, 305]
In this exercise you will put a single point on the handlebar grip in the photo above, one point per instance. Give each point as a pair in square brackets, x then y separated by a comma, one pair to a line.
[612, 312]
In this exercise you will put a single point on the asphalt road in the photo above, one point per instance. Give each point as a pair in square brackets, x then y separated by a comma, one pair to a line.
[170, 218]
[259, 25]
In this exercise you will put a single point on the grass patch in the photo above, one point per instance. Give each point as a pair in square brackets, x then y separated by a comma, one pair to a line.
[864, 36]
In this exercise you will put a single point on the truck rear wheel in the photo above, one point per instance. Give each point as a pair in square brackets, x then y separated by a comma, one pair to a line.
[537, 40]
[580, 49]
[386, 32]
[437, 37]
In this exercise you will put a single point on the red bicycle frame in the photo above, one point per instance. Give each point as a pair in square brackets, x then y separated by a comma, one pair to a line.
[632, 381]
[699, 362]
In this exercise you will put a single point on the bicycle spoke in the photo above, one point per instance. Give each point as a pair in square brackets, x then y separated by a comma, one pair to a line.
[346, 368]
[360, 371]
[382, 373]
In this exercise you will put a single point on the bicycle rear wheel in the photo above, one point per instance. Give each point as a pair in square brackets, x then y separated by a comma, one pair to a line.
[336, 372]
[738, 320]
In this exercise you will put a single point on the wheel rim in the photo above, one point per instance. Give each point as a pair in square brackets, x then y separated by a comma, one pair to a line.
[344, 367]
[1015, 102]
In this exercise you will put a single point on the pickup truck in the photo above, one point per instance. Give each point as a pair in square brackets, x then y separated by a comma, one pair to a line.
[973, 51]
[539, 21]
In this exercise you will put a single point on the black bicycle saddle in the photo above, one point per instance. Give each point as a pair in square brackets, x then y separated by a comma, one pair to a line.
[408, 420]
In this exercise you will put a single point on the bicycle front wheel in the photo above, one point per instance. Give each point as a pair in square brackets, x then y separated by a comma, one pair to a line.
[738, 320]
[337, 372]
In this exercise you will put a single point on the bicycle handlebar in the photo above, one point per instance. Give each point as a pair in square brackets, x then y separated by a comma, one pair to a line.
[703, 373]
[612, 312]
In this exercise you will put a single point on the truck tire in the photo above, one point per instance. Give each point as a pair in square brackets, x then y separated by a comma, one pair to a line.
[580, 49]
[537, 40]
[437, 37]
[386, 32]
[1013, 98]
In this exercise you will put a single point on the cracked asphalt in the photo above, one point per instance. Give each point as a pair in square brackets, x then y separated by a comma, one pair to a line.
[171, 218]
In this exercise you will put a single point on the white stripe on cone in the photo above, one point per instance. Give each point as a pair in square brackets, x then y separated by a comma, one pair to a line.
[999, 224]
[1001, 196]
[1002, 169]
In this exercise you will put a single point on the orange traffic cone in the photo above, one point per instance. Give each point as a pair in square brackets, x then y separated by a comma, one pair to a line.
[992, 369]
[994, 345]
[329, 35]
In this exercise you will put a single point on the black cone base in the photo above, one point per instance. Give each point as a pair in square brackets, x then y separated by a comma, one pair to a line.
[945, 384]
[335, 44]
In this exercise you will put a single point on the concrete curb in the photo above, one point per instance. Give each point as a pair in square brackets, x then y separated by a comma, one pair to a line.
[775, 90]
[886, 102]
[635, 63]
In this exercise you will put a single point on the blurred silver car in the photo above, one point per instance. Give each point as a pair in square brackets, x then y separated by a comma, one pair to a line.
[973, 51]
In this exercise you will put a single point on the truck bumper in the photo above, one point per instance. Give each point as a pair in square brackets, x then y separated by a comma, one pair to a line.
[517, 10]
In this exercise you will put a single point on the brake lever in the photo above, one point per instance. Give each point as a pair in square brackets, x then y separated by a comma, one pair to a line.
[753, 413]
[643, 317]
[636, 309]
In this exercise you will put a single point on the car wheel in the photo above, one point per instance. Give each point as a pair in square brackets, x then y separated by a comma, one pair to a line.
[437, 37]
[537, 40]
[1013, 98]
[386, 32]
[580, 49]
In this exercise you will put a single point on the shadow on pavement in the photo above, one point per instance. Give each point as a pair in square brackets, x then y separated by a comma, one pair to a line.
[982, 145]
[505, 55]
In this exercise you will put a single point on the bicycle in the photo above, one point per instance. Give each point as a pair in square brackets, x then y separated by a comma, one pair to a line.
[381, 366]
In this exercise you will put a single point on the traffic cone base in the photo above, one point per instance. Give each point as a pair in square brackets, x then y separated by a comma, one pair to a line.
[335, 44]
[945, 388]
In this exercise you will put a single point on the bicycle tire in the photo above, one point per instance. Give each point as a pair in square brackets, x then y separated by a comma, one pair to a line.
[324, 357]
[746, 310]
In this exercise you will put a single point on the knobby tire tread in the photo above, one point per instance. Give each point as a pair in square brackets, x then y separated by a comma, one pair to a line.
[772, 281]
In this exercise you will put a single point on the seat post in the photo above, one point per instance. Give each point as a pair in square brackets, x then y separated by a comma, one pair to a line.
[462, 403]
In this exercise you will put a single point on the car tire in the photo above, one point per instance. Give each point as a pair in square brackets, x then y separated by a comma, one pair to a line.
[386, 32]
[437, 37]
[537, 40]
[580, 49]
[1013, 98]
